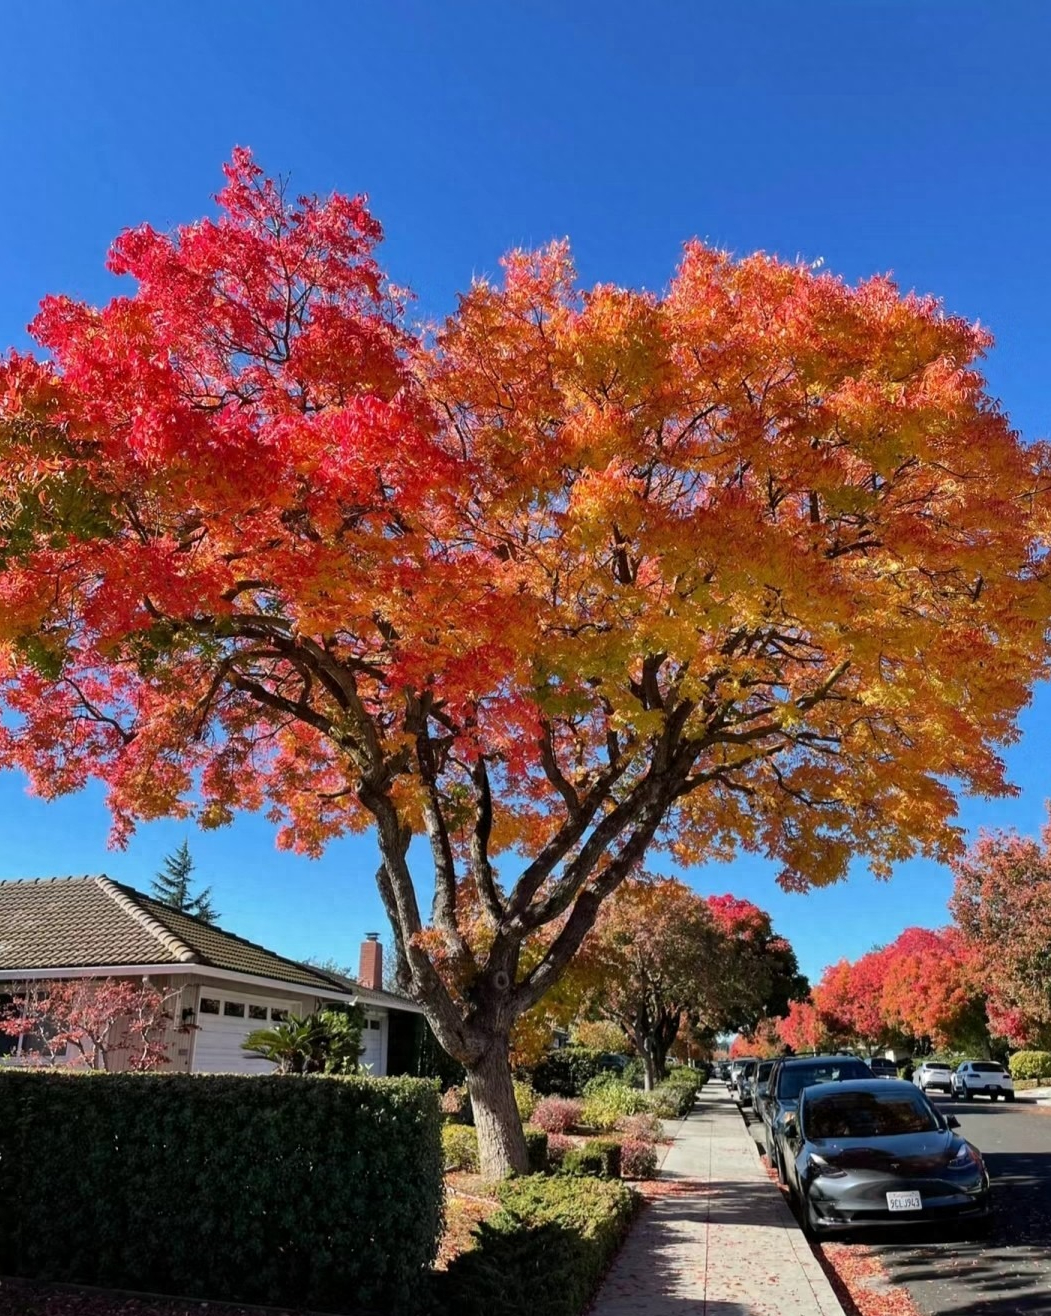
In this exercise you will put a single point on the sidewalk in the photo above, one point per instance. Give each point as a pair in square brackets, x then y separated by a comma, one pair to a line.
[723, 1243]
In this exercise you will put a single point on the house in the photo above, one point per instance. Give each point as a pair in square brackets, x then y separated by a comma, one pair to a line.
[223, 986]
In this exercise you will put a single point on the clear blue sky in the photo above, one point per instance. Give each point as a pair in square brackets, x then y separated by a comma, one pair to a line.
[908, 135]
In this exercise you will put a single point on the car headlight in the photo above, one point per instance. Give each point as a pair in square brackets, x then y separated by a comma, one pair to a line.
[824, 1169]
[965, 1157]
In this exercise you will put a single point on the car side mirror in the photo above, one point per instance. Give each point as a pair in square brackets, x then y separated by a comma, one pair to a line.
[951, 1122]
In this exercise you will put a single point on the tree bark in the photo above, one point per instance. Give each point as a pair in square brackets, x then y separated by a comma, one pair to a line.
[501, 1142]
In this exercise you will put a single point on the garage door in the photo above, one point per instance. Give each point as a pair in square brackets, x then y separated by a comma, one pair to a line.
[223, 1023]
[374, 1046]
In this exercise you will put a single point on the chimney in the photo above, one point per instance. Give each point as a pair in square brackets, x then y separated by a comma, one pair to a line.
[370, 969]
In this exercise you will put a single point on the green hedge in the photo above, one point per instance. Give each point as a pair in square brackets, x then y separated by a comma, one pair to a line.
[1030, 1064]
[565, 1073]
[600, 1157]
[294, 1191]
[543, 1252]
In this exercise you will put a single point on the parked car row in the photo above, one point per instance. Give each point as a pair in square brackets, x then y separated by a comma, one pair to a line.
[854, 1148]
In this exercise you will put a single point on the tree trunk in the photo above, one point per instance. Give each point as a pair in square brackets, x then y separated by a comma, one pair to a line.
[501, 1142]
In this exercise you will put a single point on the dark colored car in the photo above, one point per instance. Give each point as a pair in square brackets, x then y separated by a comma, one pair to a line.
[788, 1078]
[882, 1067]
[877, 1152]
[743, 1083]
[759, 1082]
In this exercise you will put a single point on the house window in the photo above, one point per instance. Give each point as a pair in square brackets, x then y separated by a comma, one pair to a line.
[278, 1016]
[209, 1005]
[374, 1023]
[257, 1012]
[234, 1009]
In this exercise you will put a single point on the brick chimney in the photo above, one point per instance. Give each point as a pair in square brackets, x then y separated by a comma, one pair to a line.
[370, 969]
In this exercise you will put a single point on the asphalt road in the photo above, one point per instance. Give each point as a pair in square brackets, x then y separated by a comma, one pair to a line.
[949, 1274]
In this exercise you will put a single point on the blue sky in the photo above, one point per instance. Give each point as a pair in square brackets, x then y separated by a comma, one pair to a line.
[893, 136]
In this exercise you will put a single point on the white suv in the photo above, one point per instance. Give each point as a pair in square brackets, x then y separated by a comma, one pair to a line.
[985, 1076]
[933, 1075]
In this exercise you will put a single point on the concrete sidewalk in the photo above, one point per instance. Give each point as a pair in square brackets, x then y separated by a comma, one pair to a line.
[723, 1242]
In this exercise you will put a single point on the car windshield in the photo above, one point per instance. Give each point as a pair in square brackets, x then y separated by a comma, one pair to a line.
[798, 1077]
[987, 1069]
[764, 1070]
[867, 1115]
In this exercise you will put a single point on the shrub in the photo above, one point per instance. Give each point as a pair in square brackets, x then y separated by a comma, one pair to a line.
[460, 1147]
[557, 1146]
[456, 1104]
[688, 1077]
[557, 1114]
[563, 1073]
[634, 1073]
[1030, 1064]
[641, 1128]
[638, 1159]
[606, 1104]
[284, 1177]
[599, 1157]
[536, 1146]
[672, 1100]
[525, 1099]
[543, 1251]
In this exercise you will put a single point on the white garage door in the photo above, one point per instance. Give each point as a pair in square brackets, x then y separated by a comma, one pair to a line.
[223, 1023]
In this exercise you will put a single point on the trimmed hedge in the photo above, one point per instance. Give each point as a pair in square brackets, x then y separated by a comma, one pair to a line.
[312, 1191]
[460, 1147]
[536, 1146]
[1030, 1064]
[599, 1158]
[543, 1252]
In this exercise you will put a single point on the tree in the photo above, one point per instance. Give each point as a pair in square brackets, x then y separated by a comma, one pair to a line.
[759, 969]
[653, 959]
[102, 1021]
[934, 991]
[171, 886]
[1001, 903]
[804, 1028]
[753, 562]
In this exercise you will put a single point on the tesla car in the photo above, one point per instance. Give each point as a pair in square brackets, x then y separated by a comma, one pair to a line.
[878, 1152]
[789, 1076]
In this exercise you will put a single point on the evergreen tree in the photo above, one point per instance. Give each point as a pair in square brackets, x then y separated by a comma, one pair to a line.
[171, 886]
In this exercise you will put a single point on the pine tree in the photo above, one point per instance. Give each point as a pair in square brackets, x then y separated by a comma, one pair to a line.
[171, 886]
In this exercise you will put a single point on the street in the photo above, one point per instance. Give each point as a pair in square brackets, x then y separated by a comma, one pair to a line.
[1010, 1271]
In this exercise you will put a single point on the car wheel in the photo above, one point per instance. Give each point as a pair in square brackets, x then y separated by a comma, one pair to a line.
[811, 1228]
[1009, 1096]
[779, 1166]
[965, 1092]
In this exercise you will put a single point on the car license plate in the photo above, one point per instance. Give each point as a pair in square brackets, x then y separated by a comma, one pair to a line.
[904, 1202]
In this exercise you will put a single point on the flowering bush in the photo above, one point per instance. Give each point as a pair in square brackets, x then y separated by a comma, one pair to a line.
[557, 1114]
[557, 1146]
[638, 1159]
[645, 1127]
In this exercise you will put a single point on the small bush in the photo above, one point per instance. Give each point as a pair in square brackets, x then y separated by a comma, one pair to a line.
[634, 1073]
[638, 1159]
[543, 1251]
[557, 1114]
[673, 1099]
[608, 1100]
[599, 1158]
[641, 1128]
[687, 1076]
[564, 1073]
[536, 1145]
[1030, 1064]
[525, 1099]
[557, 1146]
[460, 1147]
[456, 1105]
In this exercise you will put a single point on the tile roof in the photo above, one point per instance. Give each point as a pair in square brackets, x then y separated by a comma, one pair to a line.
[80, 922]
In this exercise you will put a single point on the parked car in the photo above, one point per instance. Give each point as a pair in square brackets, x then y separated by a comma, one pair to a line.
[759, 1083]
[743, 1083]
[882, 1067]
[878, 1152]
[788, 1078]
[985, 1077]
[722, 1070]
[933, 1076]
[735, 1072]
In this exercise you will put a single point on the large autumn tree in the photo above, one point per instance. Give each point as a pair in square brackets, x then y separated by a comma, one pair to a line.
[751, 562]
